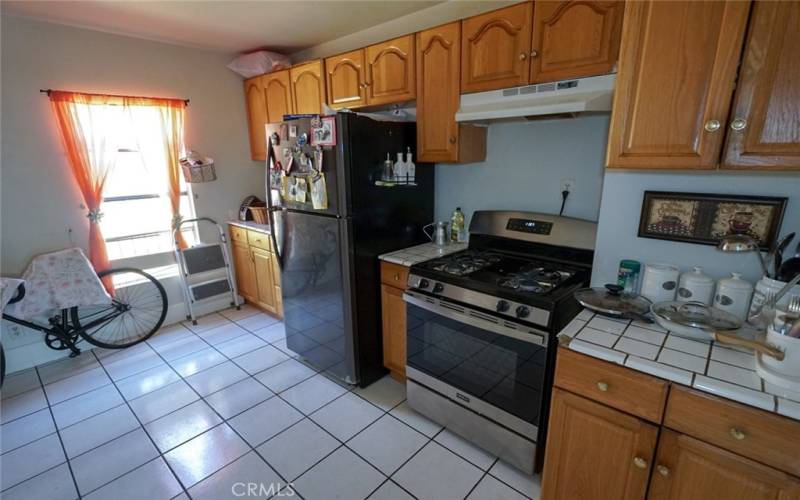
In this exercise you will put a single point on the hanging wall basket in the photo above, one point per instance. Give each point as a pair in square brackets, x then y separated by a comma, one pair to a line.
[198, 168]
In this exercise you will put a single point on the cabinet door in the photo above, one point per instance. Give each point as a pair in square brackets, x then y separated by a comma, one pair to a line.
[245, 273]
[572, 39]
[308, 87]
[438, 94]
[594, 452]
[494, 49]
[764, 130]
[278, 95]
[256, 117]
[394, 330]
[676, 75]
[688, 469]
[262, 263]
[390, 71]
[344, 78]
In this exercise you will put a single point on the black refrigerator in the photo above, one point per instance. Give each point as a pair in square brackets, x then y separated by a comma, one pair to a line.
[327, 251]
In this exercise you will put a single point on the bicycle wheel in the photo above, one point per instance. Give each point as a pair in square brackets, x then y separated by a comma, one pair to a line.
[136, 313]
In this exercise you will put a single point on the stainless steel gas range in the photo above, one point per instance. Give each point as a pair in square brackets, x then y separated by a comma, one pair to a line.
[482, 325]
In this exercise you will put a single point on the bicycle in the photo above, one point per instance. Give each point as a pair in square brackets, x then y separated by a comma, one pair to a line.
[135, 313]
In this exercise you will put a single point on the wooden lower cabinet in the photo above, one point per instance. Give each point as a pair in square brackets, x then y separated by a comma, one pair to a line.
[393, 317]
[245, 272]
[262, 265]
[257, 274]
[595, 452]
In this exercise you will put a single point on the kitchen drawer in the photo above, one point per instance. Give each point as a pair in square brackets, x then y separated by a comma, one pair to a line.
[750, 432]
[612, 385]
[394, 275]
[259, 240]
[238, 234]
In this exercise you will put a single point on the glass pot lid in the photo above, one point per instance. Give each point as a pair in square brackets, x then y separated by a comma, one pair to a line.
[697, 315]
[611, 299]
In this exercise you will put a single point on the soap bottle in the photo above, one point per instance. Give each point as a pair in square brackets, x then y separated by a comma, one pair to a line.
[410, 167]
[399, 168]
[457, 226]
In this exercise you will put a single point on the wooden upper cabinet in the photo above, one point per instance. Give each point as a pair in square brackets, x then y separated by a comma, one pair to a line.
[688, 469]
[345, 80]
[573, 39]
[308, 87]
[390, 71]
[256, 106]
[764, 128]
[677, 70]
[595, 452]
[278, 95]
[495, 47]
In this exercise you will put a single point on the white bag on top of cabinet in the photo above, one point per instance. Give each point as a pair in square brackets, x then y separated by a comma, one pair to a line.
[258, 63]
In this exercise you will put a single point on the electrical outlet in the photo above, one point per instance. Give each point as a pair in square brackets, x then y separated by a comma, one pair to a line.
[567, 185]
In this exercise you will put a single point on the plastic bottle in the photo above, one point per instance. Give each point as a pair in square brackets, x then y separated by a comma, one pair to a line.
[457, 233]
[411, 169]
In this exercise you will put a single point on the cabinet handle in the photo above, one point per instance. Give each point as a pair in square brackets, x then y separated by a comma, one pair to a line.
[362, 85]
[737, 434]
[534, 53]
[522, 56]
[663, 470]
[738, 124]
[452, 139]
[397, 277]
[712, 125]
[603, 386]
[640, 462]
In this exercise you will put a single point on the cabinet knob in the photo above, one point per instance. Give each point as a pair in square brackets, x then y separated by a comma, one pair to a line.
[603, 386]
[362, 85]
[640, 462]
[452, 139]
[737, 434]
[738, 124]
[663, 470]
[712, 125]
[397, 277]
[534, 53]
[522, 56]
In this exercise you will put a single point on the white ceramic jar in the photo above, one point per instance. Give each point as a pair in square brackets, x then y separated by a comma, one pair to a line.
[766, 288]
[696, 286]
[733, 295]
[659, 282]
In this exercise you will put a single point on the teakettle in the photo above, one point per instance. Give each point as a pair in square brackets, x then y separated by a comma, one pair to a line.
[439, 234]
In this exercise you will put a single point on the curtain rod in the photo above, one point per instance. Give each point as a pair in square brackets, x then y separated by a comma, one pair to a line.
[48, 91]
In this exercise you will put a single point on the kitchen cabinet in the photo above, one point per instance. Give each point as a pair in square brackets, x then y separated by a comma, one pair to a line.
[495, 47]
[764, 129]
[595, 452]
[278, 96]
[573, 39]
[345, 80]
[257, 275]
[393, 317]
[439, 137]
[391, 71]
[603, 444]
[673, 92]
[689, 469]
[256, 106]
[307, 87]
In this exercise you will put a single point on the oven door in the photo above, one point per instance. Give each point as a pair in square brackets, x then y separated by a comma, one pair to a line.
[487, 364]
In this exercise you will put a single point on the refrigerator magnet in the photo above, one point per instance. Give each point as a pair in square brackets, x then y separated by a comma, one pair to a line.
[284, 131]
[292, 131]
[318, 159]
[325, 134]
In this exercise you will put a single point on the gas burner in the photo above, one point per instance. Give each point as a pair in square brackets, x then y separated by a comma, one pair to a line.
[464, 264]
[524, 284]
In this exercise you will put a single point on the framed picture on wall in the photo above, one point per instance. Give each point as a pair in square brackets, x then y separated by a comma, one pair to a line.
[707, 218]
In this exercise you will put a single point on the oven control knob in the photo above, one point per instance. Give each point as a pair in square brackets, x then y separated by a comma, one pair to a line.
[523, 312]
[502, 306]
[438, 288]
[423, 283]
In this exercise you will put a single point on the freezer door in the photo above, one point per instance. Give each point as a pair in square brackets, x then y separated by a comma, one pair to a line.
[316, 292]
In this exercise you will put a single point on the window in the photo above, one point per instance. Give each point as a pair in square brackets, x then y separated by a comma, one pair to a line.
[137, 217]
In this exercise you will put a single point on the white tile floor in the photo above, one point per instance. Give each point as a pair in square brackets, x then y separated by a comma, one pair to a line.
[200, 411]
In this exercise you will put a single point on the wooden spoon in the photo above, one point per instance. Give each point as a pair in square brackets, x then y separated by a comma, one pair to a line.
[757, 345]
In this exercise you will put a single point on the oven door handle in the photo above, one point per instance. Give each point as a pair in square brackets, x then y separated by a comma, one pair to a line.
[477, 319]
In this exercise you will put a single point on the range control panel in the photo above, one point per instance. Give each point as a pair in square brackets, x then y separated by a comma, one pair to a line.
[529, 226]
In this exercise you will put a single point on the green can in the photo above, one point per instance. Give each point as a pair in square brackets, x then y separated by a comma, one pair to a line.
[628, 275]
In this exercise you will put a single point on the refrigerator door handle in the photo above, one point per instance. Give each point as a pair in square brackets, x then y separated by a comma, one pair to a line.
[273, 226]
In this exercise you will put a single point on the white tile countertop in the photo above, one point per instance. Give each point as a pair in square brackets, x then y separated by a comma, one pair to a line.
[248, 224]
[708, 367]
[420, 253]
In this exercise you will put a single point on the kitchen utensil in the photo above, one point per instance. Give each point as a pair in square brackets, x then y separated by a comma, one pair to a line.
[788, 324]
[740, 243]
[659, 282]
[794, 304]
[438, 234]
[696, 287]
[698, 321]
[733, 295]
[789, 268]
[613, 301]
[788, 286]
[777, 257]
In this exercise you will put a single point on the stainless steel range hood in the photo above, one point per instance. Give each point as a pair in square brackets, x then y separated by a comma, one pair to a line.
[555, 98]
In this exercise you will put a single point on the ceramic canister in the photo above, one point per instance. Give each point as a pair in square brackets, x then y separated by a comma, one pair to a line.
[696, 286]
[659, 282]
[733, 295]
